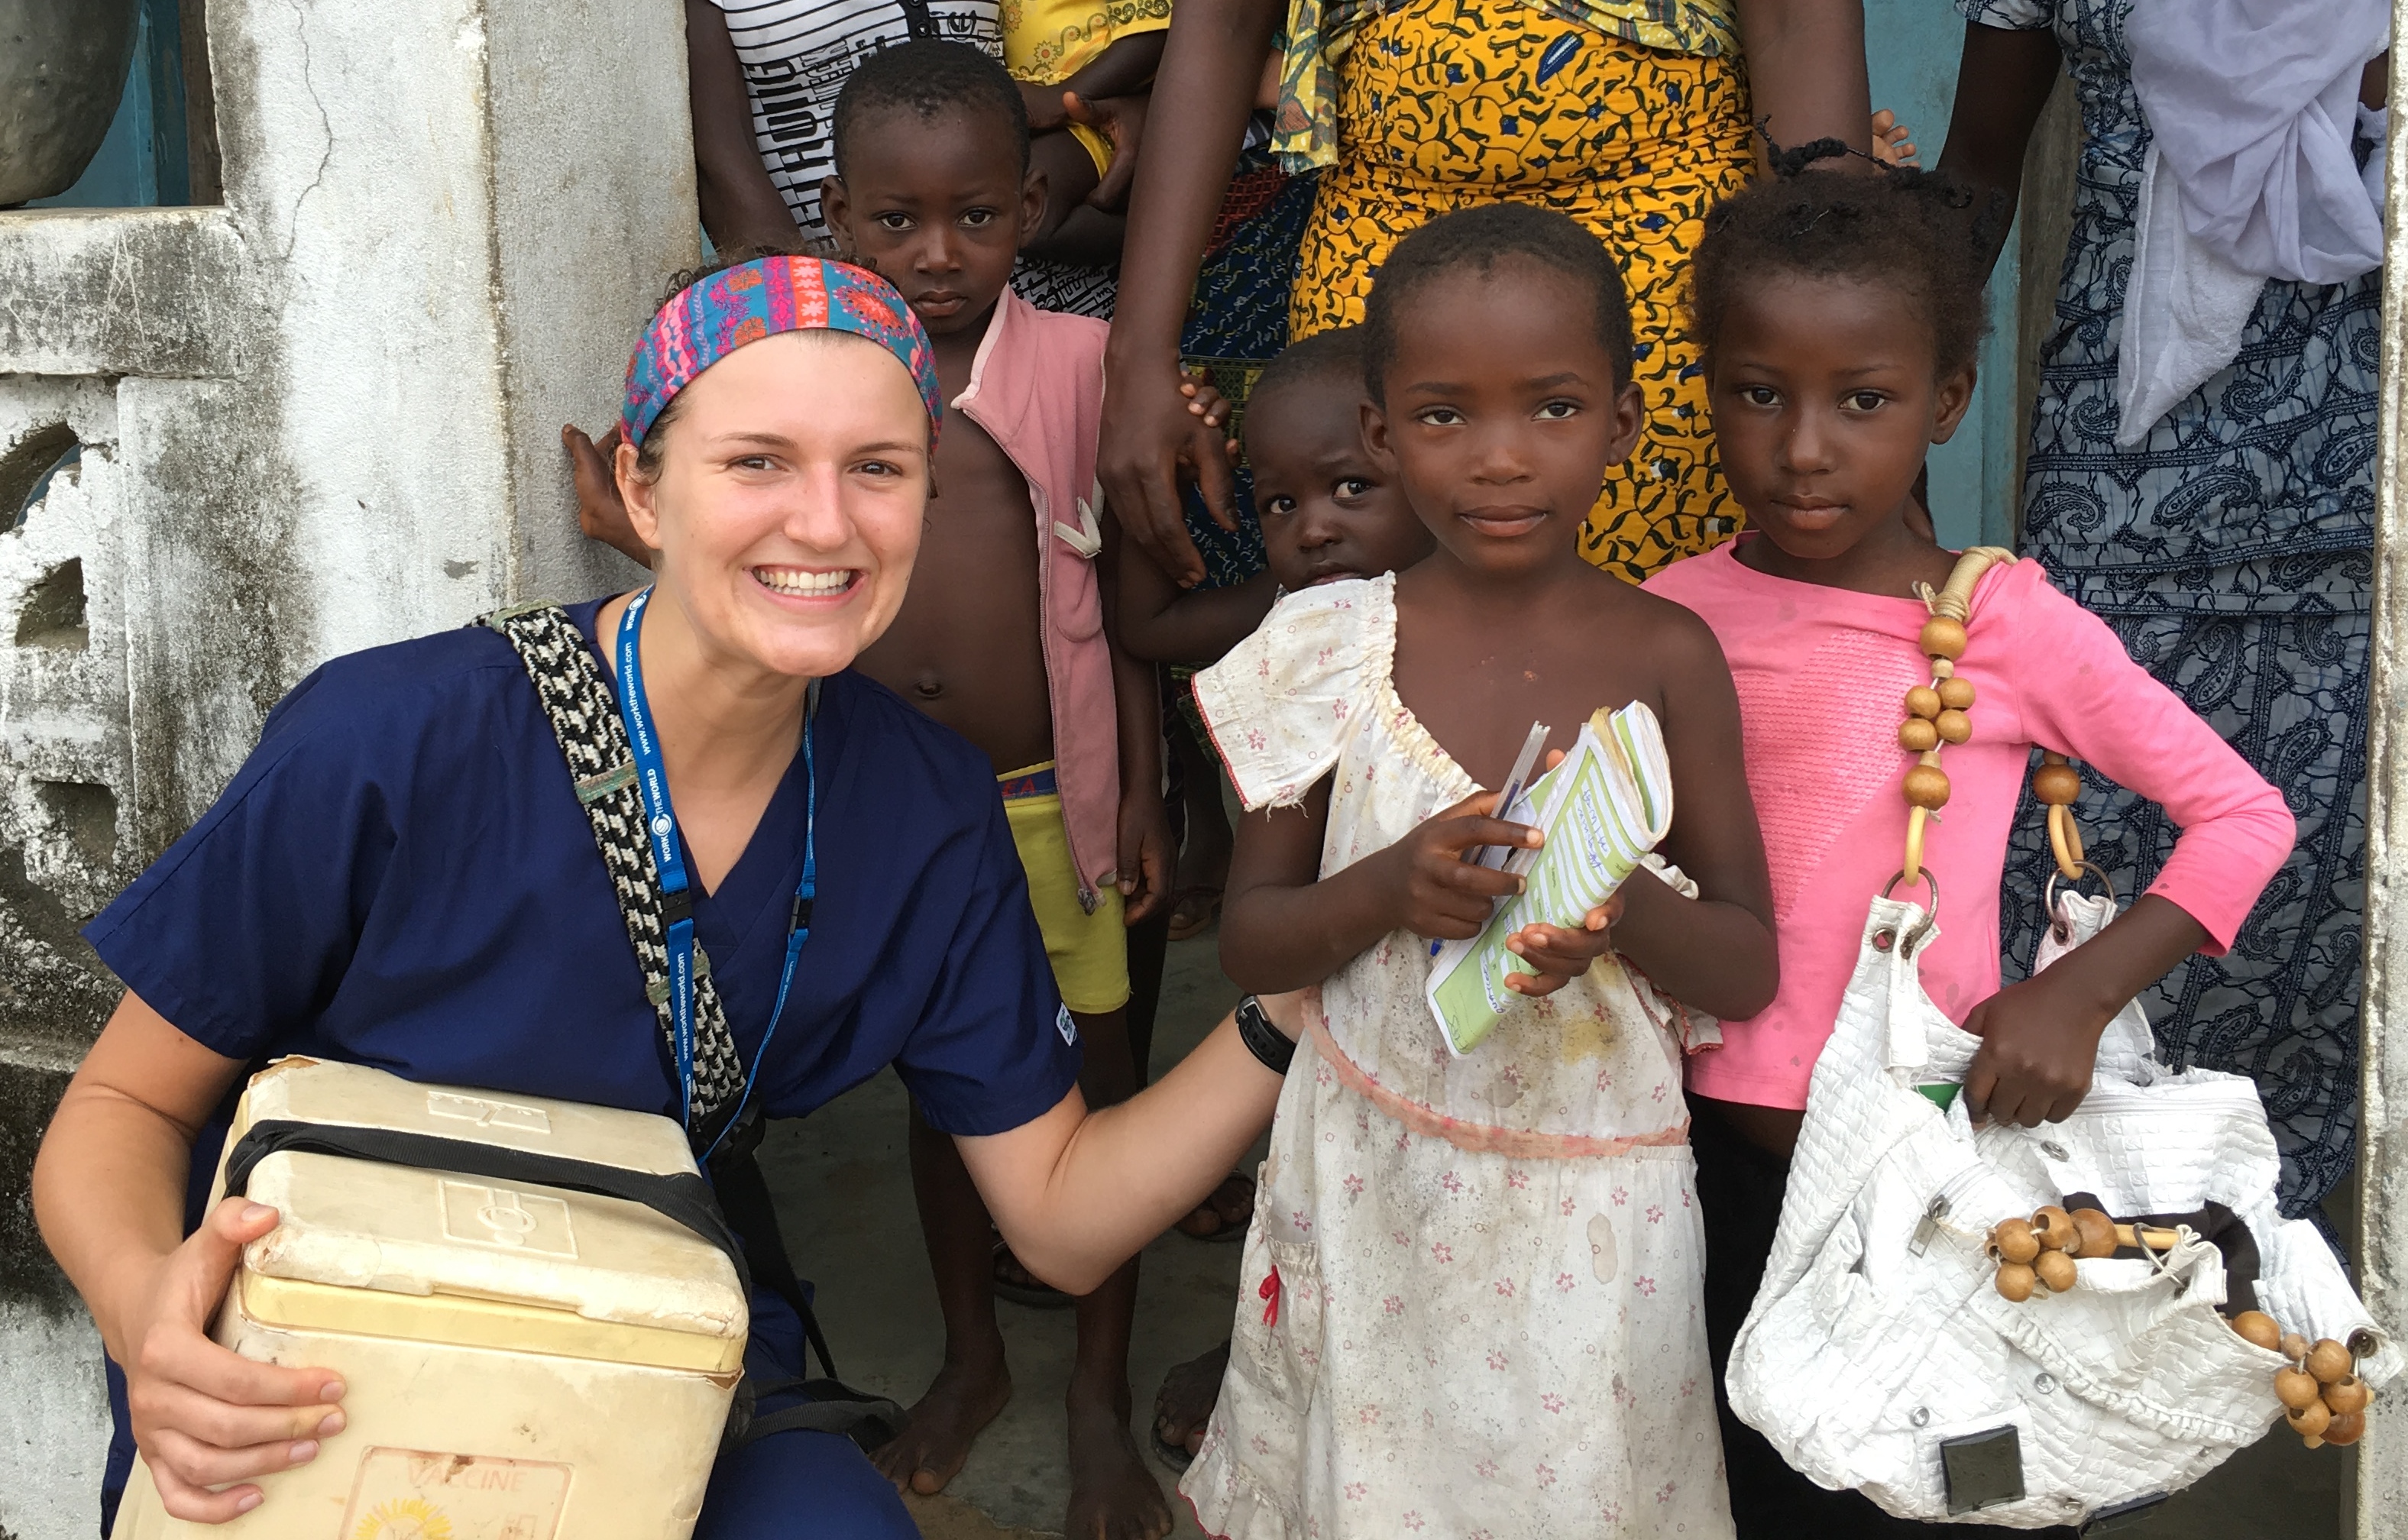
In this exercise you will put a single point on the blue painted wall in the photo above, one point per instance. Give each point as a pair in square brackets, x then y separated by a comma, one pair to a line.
[142, 162]
[1912, 47]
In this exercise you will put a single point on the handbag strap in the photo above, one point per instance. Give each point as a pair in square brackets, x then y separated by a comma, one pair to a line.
[1936, 712]
[583, 711]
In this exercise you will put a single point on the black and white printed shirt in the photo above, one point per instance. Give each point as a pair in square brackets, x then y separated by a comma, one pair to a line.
[796, 54]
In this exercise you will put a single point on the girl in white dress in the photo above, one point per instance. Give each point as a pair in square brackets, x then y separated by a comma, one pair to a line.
[1470, 1298]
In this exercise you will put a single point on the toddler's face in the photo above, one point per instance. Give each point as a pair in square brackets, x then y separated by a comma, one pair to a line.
[1503, 412]
[1327, 511]
[938, 207]
[1825, 406]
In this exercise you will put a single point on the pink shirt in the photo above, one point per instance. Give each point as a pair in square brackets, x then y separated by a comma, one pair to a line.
[1822, 676]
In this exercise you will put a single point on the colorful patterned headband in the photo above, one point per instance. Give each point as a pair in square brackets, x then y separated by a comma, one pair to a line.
[708, 320]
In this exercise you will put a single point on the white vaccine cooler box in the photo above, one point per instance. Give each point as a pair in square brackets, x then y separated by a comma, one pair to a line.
[522, 1360]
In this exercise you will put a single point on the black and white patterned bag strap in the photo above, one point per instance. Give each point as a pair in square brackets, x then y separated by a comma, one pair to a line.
[583, 709]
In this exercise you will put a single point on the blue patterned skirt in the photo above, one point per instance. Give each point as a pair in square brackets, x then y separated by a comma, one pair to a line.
[2288, 689]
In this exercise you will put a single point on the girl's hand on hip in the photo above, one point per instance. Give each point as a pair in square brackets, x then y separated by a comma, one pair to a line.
[1556, 956]
[1442, 895]
[2039, 1044]
[206, 1418]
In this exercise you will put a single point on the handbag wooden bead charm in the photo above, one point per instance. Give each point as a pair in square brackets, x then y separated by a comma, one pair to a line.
[2322, 1397]
[2044, 1248]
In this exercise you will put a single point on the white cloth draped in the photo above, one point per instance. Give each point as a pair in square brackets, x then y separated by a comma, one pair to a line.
[2249, 176]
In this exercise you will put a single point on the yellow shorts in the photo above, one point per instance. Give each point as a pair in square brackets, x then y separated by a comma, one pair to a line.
[1089, 952]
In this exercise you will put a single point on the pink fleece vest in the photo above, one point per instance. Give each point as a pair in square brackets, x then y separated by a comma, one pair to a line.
[1037, 387]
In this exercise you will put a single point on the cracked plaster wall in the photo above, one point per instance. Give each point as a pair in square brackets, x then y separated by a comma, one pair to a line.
[320, 417]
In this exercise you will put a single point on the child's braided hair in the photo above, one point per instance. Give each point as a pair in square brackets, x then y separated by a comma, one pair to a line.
[1478, 240]
[1914, 232]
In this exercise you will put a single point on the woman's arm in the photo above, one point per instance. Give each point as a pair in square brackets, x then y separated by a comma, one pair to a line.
[108, 1194]
[2003, 80]
[1806, 71]
[1211, 64]
[1076, 1193]
[740, 206]
[1123, 69]
[1715, 951]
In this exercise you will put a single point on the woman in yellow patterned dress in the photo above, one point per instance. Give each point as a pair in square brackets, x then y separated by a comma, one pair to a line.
[1632, 116]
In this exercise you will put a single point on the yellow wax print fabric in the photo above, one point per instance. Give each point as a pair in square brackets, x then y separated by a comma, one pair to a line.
[1320, 32]
[1045, 42]
[1446, 104]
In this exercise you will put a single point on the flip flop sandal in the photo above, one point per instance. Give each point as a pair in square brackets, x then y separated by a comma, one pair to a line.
[1036, 1296]
[1176, 1456]
[1173, 1455]
[1194, 911]
[1230, 1230]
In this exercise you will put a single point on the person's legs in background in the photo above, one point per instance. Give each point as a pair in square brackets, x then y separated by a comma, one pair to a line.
[1113, 1493]
[1114, 1496]
[974, 1382]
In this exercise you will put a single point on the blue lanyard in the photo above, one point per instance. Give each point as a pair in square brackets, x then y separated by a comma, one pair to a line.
[669, 857]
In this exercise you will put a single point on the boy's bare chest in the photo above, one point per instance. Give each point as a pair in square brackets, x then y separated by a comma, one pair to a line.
[977, 570]
[966, 646]
[973, 594]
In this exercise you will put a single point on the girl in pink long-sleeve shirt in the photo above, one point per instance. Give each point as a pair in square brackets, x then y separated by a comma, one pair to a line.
[1840, 316]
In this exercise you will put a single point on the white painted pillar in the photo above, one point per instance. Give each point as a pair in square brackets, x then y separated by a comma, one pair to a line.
[320, 416]
[2382, 1510]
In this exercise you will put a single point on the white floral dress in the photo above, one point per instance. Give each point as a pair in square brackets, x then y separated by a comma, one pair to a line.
[1469, 1305]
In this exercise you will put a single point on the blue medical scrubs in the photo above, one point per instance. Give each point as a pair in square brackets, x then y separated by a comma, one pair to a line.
[401, 875]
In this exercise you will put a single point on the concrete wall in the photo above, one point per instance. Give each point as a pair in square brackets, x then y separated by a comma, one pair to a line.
[2382, 1152]
[320, 416]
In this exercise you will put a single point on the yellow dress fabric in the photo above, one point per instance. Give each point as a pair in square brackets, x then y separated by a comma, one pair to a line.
[1319, 32]
[1045, 42]
[1446, 104]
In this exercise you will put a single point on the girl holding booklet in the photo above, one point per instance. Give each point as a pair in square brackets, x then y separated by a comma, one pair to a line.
[1471, 1299]
[1840, 316]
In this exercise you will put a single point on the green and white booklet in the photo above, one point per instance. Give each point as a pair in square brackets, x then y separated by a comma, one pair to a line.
[1605, 807]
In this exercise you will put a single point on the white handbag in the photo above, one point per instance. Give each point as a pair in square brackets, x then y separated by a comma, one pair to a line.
[1878, 1353]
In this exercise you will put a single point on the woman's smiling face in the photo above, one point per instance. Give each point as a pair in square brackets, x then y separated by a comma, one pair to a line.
[793, 481]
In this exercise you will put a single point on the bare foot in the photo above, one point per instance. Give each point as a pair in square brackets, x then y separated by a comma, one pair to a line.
[1113, 1495]
[1185, 1404]
[942, 1425]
